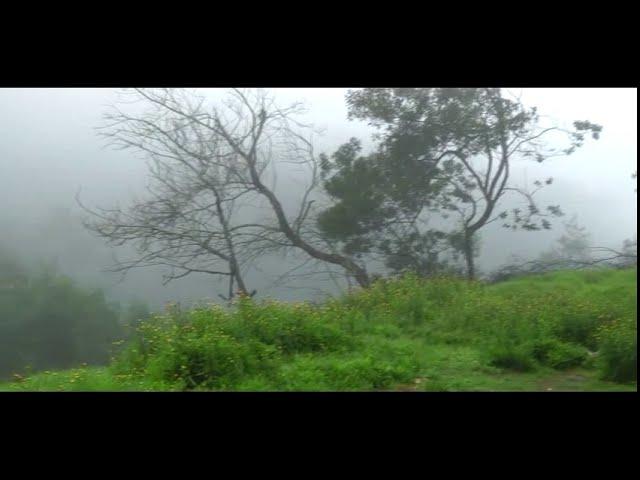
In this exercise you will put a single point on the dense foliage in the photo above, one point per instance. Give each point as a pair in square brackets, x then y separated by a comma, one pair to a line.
[443, 152]
[48, 322]
[410, 333]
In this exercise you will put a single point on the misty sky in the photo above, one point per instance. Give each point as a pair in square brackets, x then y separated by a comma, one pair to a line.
[49, 149]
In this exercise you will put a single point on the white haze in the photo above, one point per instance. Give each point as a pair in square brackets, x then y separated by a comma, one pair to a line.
[49, 149]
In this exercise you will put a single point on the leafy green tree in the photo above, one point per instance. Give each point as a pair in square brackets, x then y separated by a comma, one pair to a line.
[378, 210]
[441, 150]
[48, 322]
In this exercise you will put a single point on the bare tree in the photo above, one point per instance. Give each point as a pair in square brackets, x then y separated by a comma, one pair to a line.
[601, 257]
[209, 167]
[574, 252]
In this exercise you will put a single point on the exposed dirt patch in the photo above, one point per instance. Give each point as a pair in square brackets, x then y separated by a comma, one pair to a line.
[412, 387]
[566, 381]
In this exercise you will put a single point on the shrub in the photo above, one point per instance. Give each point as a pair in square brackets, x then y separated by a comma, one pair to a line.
[381, 365]
[194, 351]
[578, 324]
[292, 328]
[512, 356]
[377, 338]
[618, 355]
[558, 354]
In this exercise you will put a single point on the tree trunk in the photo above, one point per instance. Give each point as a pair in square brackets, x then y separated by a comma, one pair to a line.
[358, 272]
[468, 256]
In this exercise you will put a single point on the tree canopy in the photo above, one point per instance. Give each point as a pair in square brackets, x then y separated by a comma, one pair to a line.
[442, 152]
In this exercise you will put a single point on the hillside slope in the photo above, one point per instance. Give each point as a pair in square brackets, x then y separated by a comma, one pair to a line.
[564, 331]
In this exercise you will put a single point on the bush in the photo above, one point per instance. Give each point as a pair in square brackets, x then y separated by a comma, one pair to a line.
[213, 349]
[512, 356]
[578, 324]
[294, 328]
[192, 350]
[380, 365]
[387, 335]
[618, 350]
[558, 354]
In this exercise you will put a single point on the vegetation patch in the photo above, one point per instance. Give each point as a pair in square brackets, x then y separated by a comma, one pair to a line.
[404, 334]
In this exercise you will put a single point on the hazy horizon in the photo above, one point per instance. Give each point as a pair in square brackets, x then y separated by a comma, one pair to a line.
[50, 150]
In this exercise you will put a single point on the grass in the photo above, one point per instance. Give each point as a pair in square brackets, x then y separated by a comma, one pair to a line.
[563, 331]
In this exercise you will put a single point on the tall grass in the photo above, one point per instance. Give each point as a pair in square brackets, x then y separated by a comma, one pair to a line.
[387, 336]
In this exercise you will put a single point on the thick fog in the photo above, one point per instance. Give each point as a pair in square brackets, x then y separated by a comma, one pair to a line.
[49, 151]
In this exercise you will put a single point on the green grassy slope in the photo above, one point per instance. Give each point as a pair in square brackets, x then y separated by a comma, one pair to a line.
[564, 331]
